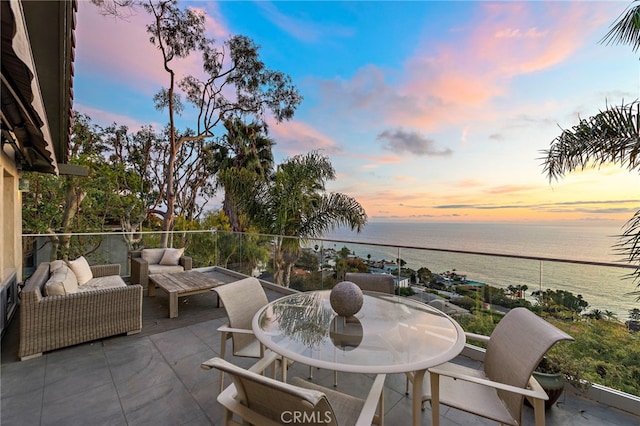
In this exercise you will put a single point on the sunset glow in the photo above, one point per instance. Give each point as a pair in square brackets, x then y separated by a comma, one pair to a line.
[428, 110]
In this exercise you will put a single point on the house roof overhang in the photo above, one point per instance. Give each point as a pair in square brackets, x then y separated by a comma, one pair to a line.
[38, 48]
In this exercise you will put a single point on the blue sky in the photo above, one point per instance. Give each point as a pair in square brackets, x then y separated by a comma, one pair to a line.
[428, 110]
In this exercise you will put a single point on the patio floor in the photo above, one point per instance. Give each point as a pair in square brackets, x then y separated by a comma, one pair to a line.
[154, 378]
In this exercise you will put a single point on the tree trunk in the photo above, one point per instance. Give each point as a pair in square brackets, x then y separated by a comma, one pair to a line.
[73, 199]
[229, 208]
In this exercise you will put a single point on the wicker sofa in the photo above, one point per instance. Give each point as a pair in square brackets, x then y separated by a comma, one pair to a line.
[148, 261]
[105, 308]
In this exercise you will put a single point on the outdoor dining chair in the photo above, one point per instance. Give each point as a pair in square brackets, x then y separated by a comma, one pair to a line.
[260, 400]
[382, 283]
[497, 392]
[241, 299]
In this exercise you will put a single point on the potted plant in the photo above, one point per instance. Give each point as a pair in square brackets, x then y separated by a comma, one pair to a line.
[556, 369]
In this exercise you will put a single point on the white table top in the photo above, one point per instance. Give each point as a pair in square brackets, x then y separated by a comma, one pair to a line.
[390, 334]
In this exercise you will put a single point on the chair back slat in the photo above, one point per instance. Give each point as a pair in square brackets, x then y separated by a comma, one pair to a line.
[517, 345]
[382, 283]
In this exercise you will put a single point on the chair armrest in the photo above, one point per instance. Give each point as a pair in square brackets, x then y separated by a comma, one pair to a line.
[139, 260]
[186, 262]
[477, 337]
[375, 396]
[269, 358]
[105, 270]
[139, 271]
[448, 370]
[227, 329]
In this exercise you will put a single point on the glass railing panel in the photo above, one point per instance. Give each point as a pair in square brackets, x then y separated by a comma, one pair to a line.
[320, 263]
[605, 288]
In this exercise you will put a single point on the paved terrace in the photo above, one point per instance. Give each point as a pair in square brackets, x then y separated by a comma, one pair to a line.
[154, 378]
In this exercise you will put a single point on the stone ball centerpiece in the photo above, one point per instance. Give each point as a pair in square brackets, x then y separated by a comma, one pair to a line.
[346, 298]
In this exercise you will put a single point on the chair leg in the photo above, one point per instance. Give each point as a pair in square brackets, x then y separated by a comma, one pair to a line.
[223, 347]
[538, 411]
[310, 373]
[335, 379]
[435, 399]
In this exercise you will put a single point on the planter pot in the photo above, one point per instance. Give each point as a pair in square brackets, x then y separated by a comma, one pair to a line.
[553, 385]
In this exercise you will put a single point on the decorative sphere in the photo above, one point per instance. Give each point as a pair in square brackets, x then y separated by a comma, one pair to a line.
[346, 298]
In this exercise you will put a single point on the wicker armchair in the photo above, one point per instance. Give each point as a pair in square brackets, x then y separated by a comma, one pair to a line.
[52, 322]
[141, 269]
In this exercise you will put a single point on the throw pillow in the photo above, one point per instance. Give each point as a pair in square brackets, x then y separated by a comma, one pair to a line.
[62, 281]
[81, 268]
[171, 256]
[55, 265]
[152, 256]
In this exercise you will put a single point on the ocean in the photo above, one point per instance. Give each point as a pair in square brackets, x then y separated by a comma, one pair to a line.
[604, 288]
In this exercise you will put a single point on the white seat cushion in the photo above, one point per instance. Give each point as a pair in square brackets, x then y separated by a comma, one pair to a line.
[101, 283]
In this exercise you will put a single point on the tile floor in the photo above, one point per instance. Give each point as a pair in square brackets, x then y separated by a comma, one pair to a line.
[155, 379]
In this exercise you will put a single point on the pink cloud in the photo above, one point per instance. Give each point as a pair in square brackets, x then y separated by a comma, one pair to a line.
[507, 40]
[294, 137]
[106, 118]
[389, 159]
[401, 178]
[444, 82]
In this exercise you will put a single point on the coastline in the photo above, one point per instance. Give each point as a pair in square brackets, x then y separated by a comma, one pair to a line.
[604, 288]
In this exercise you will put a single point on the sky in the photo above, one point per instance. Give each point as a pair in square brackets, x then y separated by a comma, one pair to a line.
[428, 111]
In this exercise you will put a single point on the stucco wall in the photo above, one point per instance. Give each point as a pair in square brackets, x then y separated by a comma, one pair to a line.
[10, 216]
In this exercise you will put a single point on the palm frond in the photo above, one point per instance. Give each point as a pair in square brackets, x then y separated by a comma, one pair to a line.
[626, 30]
[629, 247]
[611, 136]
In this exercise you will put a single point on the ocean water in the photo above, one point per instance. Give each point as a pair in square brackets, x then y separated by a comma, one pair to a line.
[604, 288]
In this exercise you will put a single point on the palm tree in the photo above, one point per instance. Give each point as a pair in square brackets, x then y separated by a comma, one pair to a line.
[245, 149]
[293, 206]
[611, 136]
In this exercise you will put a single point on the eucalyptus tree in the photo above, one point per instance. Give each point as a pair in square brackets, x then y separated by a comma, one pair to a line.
[237, 81]
[294, 207]
[611, 136]
[245, 148]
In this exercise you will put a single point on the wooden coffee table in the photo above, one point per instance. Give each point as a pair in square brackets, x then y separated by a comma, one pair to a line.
[179, 284]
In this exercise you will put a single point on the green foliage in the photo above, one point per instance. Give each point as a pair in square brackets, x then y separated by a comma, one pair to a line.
[294, 206]
[308, 261]
[479, 323]
[561, 304]
[424, 275]
[603, 352]
[466, 302]
[245, 149]
[312, 281]
[405, 291]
